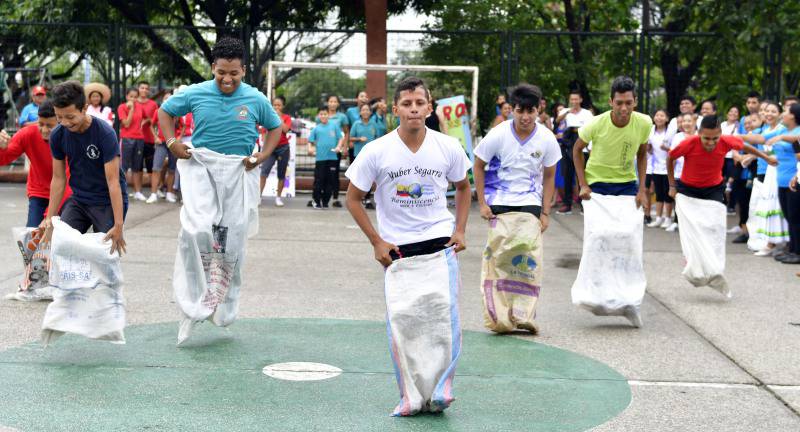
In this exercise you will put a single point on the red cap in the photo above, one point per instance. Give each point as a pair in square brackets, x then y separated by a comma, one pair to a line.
[38, 90]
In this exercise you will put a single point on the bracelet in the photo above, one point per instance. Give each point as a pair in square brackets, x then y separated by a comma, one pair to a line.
[672, 186]
[171, 141]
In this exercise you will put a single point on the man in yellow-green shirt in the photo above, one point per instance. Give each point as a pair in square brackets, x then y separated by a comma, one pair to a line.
[619, 138]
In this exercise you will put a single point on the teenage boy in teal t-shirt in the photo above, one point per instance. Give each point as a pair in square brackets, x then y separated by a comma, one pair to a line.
[326, 142]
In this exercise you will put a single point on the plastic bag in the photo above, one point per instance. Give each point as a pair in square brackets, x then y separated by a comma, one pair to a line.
[703, 241]
[611, 277]
[424, 329]
[87, 287]
[219, 213]
[34, 284]
[511, 273]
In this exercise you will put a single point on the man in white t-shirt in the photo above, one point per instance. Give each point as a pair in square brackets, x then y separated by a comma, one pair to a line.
[411, 167]
[688, 105]
[521, 156]
[575, 117]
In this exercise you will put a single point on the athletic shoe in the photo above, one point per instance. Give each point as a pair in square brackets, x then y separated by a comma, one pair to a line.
[161, 194]
[152, 198]
[315, 205]
[667, 222]
[185, 330]
[369, 205]
[743, 238]
[656, 222]
[735, 230]
[564, 210]
[634, 316]
[648, 219]
[310, 204]
[138, 196]
[171, 197]
[731, 212]
[278, 202]
[790, 258]
[672, 227]
[336, 204]
[764, 252]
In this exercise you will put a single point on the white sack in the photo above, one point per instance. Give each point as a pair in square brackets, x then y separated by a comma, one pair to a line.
[87, 287]
[703, 241]
[219, 213]
[423, 328]
[611, 274]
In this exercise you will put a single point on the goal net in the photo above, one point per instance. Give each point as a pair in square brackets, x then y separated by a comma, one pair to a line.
[307, 87]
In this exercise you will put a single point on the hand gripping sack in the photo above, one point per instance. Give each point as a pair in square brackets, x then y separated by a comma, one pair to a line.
[87, 287]
[424, 330]
[34, 284]
[511, 273]
[219, 213]
[611, 274]
[703, 241]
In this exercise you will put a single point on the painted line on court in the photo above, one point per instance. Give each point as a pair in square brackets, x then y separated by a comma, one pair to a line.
[692, 384]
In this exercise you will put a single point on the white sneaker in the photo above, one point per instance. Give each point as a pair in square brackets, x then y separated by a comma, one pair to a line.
[138, 196]
[160, 193]
[171, 197]
[152, 198]
[764, 252]
[656, 222]
[666, 222]
[278, 201]
[735, 230]
[672, 227]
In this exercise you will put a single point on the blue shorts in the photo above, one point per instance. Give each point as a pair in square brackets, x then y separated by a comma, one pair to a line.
[631, 188]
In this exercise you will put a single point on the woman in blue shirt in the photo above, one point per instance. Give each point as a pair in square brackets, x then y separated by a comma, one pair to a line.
[784, 150]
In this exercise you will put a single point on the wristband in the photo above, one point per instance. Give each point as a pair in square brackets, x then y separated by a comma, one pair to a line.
[171, 141]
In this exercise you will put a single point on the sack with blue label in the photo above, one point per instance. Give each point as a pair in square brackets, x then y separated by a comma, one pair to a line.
[34, 284]
[511, 273]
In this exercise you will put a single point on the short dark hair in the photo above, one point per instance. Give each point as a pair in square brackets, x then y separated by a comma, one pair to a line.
[322, 109]
[525, 96]
[375, 100]
[790, 97]
[143, 82]
[713, 104]
[793, 110]
[131, 89]
[709, 122]
[576, 92]
[690, 98]
[410, 84]
[280, 98]
[754, 94]
[69, 93]
[227, 48]
[46, 109]
[623, 84]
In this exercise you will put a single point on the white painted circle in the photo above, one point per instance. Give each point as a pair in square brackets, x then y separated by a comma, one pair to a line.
[301, 371]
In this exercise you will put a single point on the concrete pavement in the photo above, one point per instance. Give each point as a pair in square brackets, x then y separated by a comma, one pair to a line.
[699, 362]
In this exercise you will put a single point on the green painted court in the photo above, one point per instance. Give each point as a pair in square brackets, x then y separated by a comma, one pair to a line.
[215, 382]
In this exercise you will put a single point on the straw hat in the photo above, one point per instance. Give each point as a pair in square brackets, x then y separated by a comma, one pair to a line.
[101, 88]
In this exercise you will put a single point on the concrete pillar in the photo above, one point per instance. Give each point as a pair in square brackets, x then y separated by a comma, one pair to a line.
[376, 14]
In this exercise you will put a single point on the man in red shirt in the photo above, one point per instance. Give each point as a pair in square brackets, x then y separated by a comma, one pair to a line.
[703, 156]
[32, 140]
[149, 108]
[132, 140]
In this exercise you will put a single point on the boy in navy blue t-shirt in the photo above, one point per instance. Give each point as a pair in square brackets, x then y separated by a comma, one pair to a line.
[90, 147]
[326, 142]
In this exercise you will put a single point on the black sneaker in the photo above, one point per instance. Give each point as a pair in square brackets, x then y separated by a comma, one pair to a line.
[336, 204]
[648, 219]
[743, 238]
[369, 205]
[310, 203]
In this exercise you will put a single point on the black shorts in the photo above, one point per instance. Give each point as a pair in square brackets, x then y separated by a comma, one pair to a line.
[713, 193]
[420, 248]
[147, 156]
[82, 217]
[661, 186]
[532, 209]
[648, 180]
[132, 155]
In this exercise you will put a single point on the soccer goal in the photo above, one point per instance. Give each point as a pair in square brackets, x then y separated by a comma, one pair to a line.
[307, 87]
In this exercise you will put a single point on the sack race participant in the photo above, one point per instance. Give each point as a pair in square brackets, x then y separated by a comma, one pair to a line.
[611, 278]
[34, 285]
[219, 213]
[87, 287]
[699, 196]
[417, 245]
[515, 166]
[219, 190]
